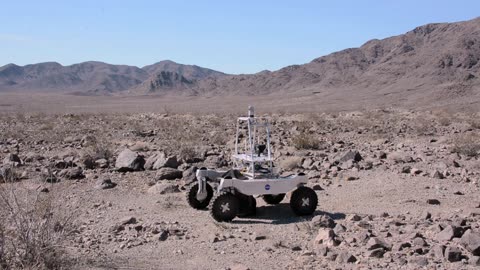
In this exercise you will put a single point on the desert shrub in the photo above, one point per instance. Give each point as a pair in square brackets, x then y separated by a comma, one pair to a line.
[187, 152]
[96, 150]
[291, 163]
[32, 229]
[468, 146]
[305, 141]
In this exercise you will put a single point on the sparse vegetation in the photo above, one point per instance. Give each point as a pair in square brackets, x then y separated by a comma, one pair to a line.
[467, 145]
[305, 141]
[32, 229]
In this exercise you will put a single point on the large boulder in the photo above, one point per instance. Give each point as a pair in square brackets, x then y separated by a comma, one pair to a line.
[351, 155]
[128, 160]
[471, 241]
[160, 160]
[168, 174]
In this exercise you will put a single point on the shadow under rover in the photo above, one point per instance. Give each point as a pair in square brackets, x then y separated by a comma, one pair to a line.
[281, 214]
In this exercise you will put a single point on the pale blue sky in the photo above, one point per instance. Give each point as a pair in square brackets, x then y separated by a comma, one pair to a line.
[231, 36]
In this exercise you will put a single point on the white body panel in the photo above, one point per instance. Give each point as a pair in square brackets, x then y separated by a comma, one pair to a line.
[261, 186]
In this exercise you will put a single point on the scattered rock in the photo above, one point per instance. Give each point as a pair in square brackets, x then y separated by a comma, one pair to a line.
[345, 257]
[163, 188]
[72, 173]
[105, 184]
[128, 160]
[323, 221]
[326, 237]
[449, 232]
[352, 155]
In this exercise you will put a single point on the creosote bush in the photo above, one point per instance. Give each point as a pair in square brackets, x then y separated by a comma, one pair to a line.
[32, 229]
[305, 141]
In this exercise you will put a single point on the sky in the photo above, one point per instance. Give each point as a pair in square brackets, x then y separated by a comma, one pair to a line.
[231, 36]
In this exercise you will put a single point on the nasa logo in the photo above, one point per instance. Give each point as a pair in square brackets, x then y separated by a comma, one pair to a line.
[267, 187]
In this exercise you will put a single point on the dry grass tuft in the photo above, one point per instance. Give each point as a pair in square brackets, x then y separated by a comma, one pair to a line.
[32, 228]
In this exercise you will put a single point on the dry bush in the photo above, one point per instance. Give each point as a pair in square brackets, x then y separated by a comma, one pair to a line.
[32, 229]
[187, 152]
[95, 151]
[467, 145]
[305, 141]
[290, 163]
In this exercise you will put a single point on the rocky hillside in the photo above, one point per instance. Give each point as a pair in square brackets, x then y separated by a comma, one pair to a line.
[432, 61]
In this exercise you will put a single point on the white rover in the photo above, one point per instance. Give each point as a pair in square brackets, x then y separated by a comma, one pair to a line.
[253, 174]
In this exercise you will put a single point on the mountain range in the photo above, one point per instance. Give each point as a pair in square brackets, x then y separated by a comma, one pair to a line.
[437, 62]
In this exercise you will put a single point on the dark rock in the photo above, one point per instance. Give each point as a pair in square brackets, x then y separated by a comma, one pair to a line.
[160, 160]
[438, 175]
[376, 253]
[128, 220]
[163, 235]
[375, 243]
[168, 174]
[453, 254]
[406, 169]
[12, 160]
[128, 160]
[433, 201]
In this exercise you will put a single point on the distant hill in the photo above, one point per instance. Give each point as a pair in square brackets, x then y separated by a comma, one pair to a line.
[434, 63]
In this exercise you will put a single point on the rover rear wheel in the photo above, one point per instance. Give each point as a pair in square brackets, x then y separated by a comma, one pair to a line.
[303, 201]
[224, 207]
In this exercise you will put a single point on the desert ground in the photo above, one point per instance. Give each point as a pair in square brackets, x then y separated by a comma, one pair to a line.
[397, 188]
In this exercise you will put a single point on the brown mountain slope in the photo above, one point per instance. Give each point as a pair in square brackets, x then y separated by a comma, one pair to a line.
[90, 77]
[431, 62]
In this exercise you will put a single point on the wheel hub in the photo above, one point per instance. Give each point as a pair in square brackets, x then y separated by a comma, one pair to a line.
[305, 201]
[225, 207]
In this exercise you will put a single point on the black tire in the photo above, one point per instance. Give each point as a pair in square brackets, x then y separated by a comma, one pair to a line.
[192, 196]
[248, 206]
[273, 199]
[304, 201]
[224, 207]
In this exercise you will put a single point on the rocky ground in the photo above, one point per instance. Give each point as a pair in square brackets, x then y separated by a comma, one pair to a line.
[397, 189]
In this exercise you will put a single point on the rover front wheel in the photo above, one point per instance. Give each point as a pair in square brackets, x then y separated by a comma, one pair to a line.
[273, 199]
[303, 201]
[224, 207]
[192, 196]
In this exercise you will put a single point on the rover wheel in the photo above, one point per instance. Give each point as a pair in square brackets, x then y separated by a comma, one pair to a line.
[273, 199]
[248, 206]
[303, 201]
[192, 196]
[224, 207]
